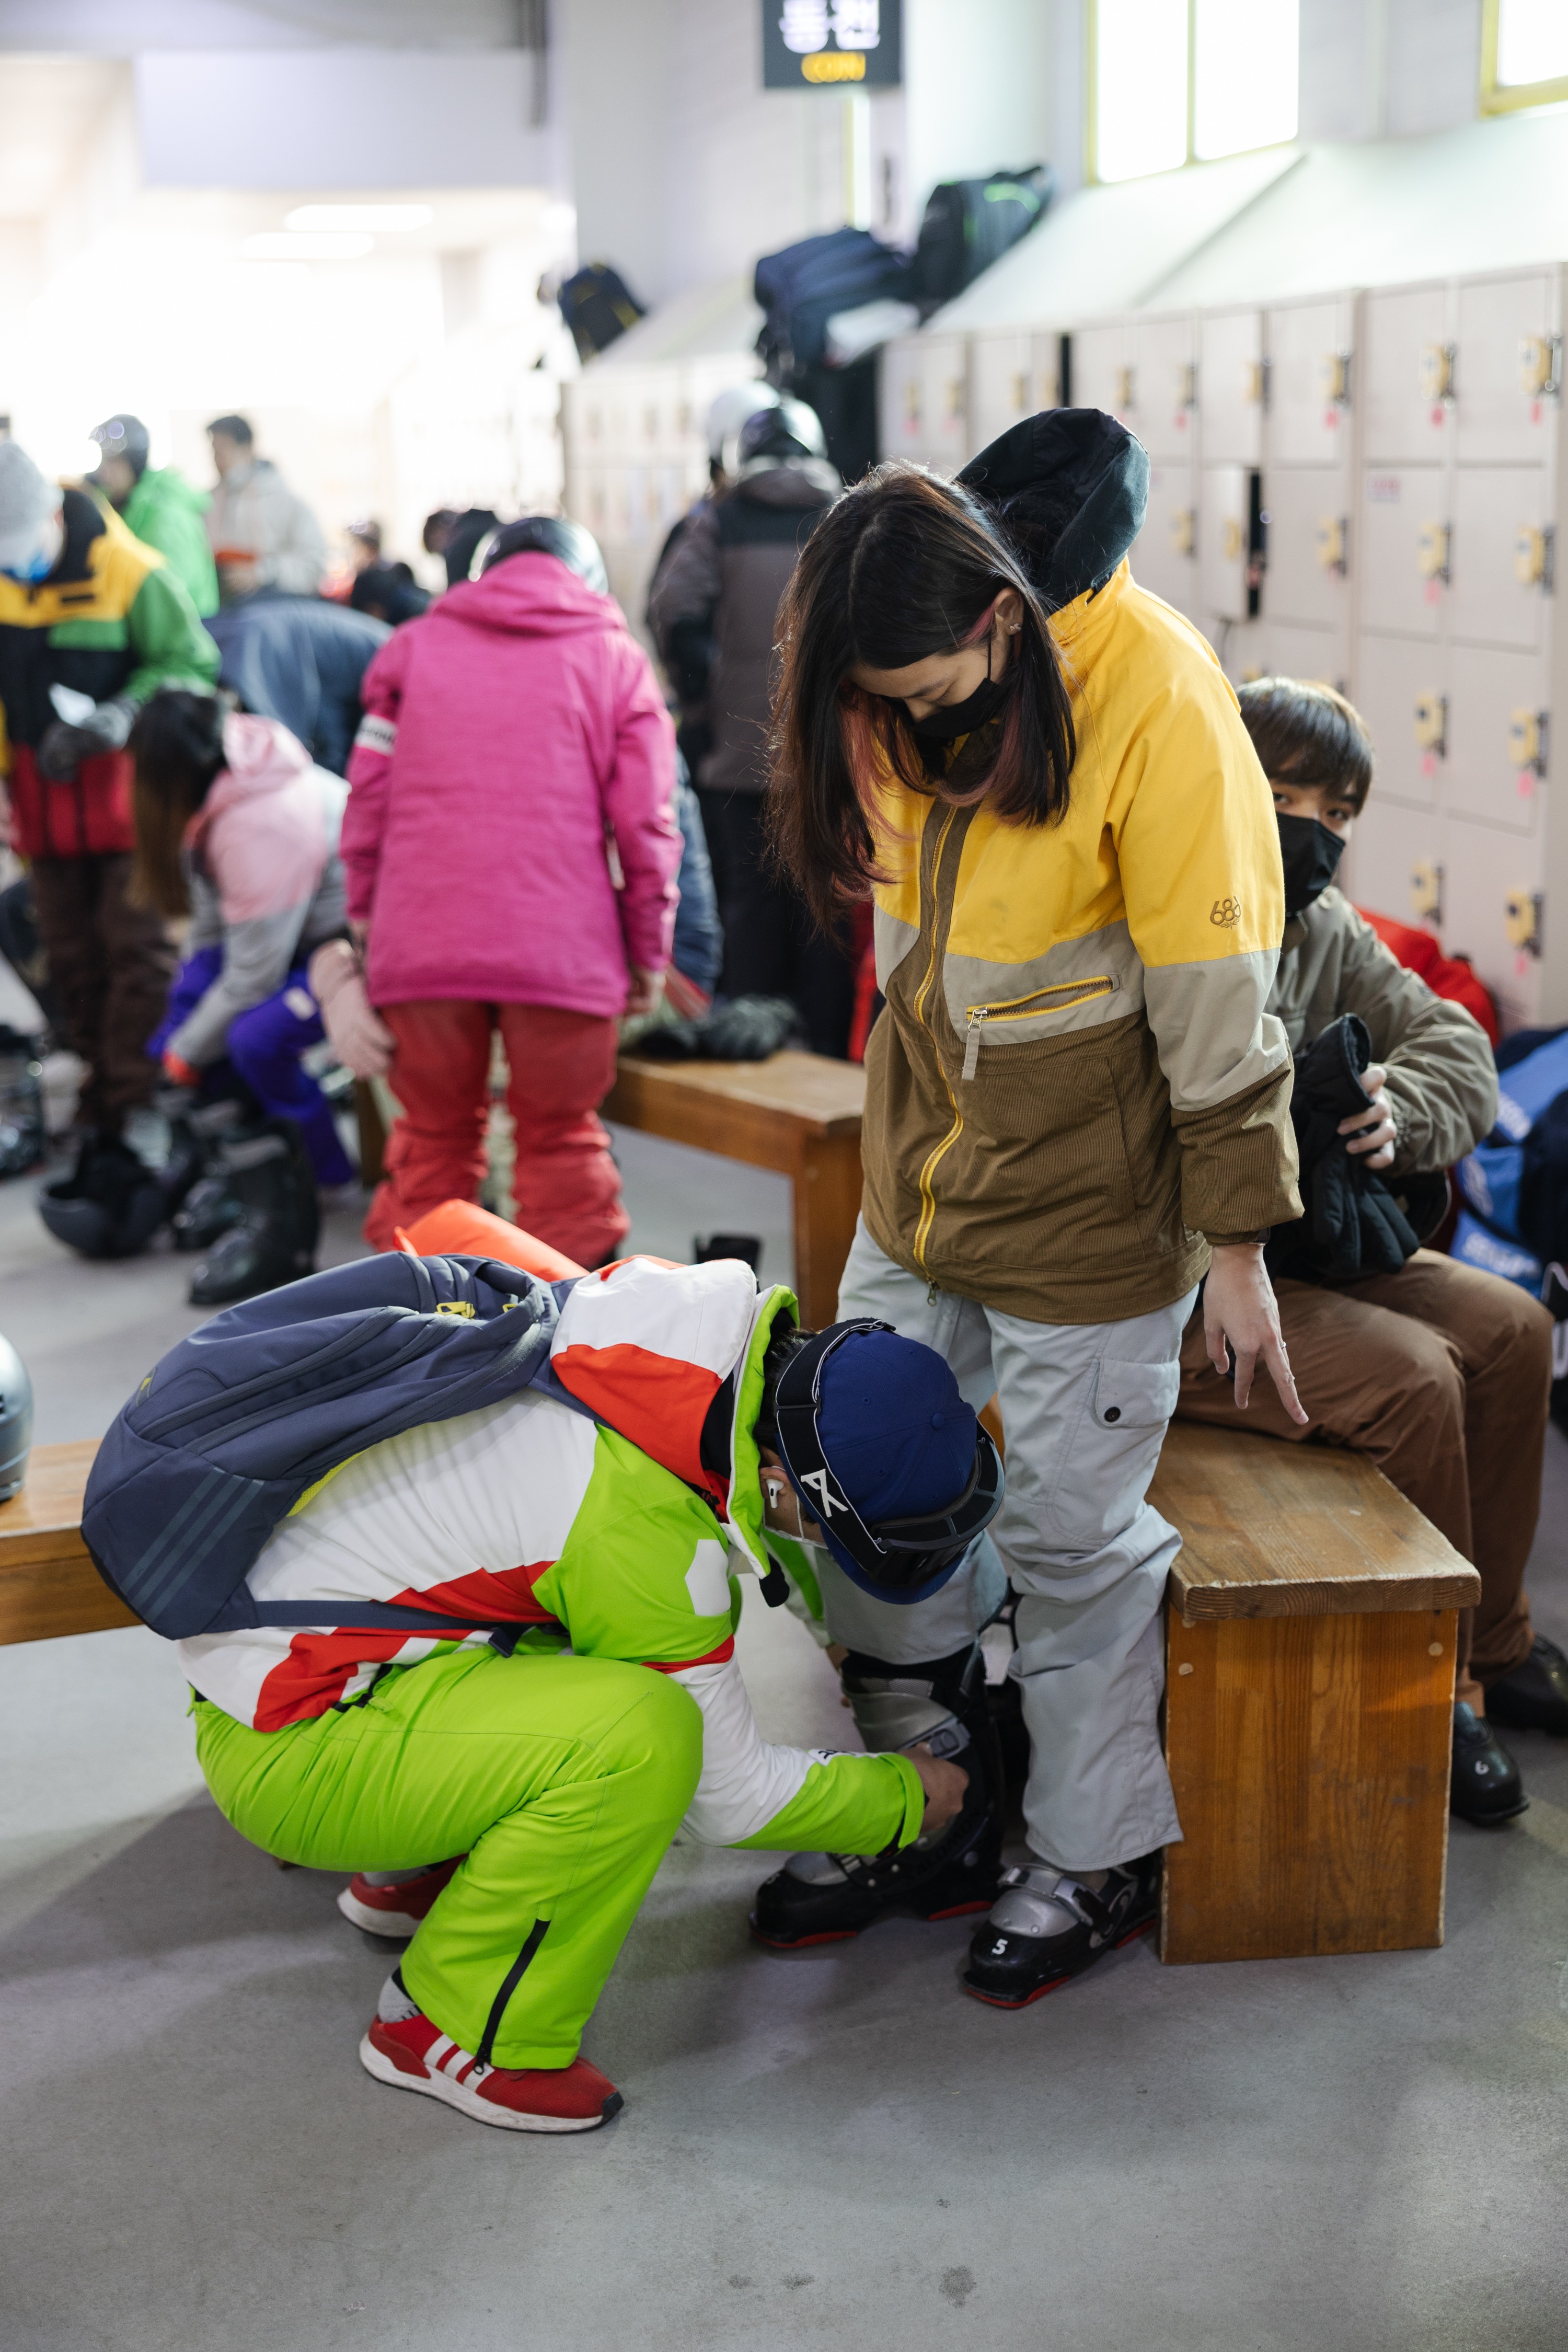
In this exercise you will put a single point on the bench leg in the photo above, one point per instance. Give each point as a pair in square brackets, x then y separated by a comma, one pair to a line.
[1310, 1760]
[826, 1203]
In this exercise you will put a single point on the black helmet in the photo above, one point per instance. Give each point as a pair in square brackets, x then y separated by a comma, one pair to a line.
[569, 544]
[788, 429]
[15, 1421]
[123, 436]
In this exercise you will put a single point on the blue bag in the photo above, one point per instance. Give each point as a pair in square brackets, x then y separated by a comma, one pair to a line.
[237, 1421]
[1515, 1184]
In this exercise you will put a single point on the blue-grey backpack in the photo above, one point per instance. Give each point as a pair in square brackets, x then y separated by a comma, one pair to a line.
[244, 1415]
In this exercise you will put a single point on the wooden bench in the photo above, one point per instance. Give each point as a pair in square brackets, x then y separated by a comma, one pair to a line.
[797, 1113]
[1309, 1647]
[48, 1583]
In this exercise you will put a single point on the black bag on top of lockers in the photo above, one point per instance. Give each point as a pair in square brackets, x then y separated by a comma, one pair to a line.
[805, 285]
[598, 305]
[970, 224]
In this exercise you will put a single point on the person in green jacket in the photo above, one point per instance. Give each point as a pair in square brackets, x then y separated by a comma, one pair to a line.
[157, 505]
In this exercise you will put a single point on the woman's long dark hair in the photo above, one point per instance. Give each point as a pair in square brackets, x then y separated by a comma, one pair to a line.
[177, 747]
[904, 566]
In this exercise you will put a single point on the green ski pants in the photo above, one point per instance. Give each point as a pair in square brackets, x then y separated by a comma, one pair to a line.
[562, 1780]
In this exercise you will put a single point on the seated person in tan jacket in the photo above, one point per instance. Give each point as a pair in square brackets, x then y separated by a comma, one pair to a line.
[1438, 1371]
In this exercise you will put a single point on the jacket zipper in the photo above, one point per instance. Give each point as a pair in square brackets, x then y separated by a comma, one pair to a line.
[1060, 998]
[925, 1011]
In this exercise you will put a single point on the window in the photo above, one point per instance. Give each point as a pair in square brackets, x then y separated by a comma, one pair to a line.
[1524, 54]
[1183, 81]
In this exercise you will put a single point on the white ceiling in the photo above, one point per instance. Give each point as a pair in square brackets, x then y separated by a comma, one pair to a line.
[48, 110]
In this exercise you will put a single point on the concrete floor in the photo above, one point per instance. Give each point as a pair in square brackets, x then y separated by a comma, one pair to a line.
[833, 2149]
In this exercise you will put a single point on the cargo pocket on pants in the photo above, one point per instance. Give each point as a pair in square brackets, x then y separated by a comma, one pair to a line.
[1114, 1451]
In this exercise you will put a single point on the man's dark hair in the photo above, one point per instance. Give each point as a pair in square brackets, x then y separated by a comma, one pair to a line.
[176, 745]
[1304, 733]
[234, 429]
[782, 1349]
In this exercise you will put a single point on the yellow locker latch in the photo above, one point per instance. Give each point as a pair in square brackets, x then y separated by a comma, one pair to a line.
[1183, 531]
[1534, 549]
[1233, 540]
[1254, 384]
[1541, 366]
[1521, 921]
[1527, 740]
[1432, 723]
[1020, 391]
[1124, 387]
[1186, 383]
[1427, 893]
[1334, 379]
[1432, 551]
[1436, 371]
[912, 403]
[1333, 543]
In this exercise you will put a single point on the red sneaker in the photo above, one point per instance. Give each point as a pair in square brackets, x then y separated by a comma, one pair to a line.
[394, 1910]
[412, 2054]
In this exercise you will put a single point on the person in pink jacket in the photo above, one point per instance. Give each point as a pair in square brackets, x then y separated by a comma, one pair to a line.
[511, 855]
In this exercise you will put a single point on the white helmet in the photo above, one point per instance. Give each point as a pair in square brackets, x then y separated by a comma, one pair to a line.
[730, 411]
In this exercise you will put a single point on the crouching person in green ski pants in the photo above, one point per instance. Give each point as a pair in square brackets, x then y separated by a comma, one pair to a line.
[506, 1807]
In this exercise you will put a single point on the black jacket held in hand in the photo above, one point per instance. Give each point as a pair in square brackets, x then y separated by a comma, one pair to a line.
[1353, 1225]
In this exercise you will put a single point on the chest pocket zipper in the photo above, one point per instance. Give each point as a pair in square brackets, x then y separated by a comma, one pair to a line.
[1061, 998]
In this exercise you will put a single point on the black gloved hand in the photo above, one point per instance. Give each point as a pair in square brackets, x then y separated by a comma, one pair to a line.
[1352, 1223]
[64, 746]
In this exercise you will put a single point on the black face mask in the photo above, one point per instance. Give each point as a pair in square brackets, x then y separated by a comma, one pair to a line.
[952, 719]
[1312, 855]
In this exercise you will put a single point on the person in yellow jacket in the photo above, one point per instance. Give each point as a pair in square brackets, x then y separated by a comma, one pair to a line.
[1076, 1105]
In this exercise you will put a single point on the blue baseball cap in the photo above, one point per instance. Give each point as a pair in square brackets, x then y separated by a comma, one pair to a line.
[886, 1458]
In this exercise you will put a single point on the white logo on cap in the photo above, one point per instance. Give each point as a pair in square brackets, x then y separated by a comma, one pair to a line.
[831, 1502]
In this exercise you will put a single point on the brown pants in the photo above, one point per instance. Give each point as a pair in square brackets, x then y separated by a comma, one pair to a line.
[110, 965]
[1443, 1376]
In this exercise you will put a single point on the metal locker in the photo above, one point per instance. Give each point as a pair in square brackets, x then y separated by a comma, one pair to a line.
[1232, 385]
[1046, 363]
[1508, 370]
[1309, 543]
[1401, 692]
[1311, 366]
[1165, 553]
[1000, 383]
[1408, 371]
[1503, 556]
[1104, 369]
[1319, 655]
[901, 396]
[1164, 385]
[1394, 864]
[1224, 518]
[946, 404]
[1492, 881]
[1500, 736]
[1404, 548]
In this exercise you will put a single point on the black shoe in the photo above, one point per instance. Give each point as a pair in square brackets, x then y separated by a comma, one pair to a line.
[1484, 1786]
[823, 1898]
[1020, 1955]
[110, 1205]
[209, 1207]
[274, 1239]
[1534, 1696]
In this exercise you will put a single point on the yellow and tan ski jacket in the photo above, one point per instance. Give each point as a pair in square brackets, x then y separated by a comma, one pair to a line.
[1076, 1088]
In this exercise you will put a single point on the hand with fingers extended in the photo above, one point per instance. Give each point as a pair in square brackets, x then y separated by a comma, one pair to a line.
[1242, 1316]
[1373, 1131]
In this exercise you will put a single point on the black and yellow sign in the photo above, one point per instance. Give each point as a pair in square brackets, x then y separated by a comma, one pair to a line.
[832, 44]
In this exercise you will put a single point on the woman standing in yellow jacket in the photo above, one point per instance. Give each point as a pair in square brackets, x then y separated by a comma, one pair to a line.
[1077, 1108]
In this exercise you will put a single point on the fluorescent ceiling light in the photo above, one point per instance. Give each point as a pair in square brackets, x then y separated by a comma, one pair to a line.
[1141, 87]
[388, 217]
[282, 244]
[1247, 73]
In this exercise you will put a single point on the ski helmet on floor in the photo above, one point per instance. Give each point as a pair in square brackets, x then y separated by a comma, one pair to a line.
[15, 1421]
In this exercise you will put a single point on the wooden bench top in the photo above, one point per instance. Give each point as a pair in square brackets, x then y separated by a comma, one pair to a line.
[1272, 1528]
[806, 1092]
[48, 1583]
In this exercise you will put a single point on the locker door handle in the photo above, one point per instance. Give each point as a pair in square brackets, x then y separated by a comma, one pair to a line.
[1432, 551]
[1535, 556]
[1527, 734]
[1436, 371]
[1432, 723]
[1541, 366]
[1333, 543]
[1521, 920]
[1426, 894]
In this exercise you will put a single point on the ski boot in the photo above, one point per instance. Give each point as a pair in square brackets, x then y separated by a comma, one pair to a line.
[821, 1898]
[273, 1239]
[1048, 1927]
[110, 1205]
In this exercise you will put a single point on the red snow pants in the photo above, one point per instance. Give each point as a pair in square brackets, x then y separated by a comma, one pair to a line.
[560, 1064]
